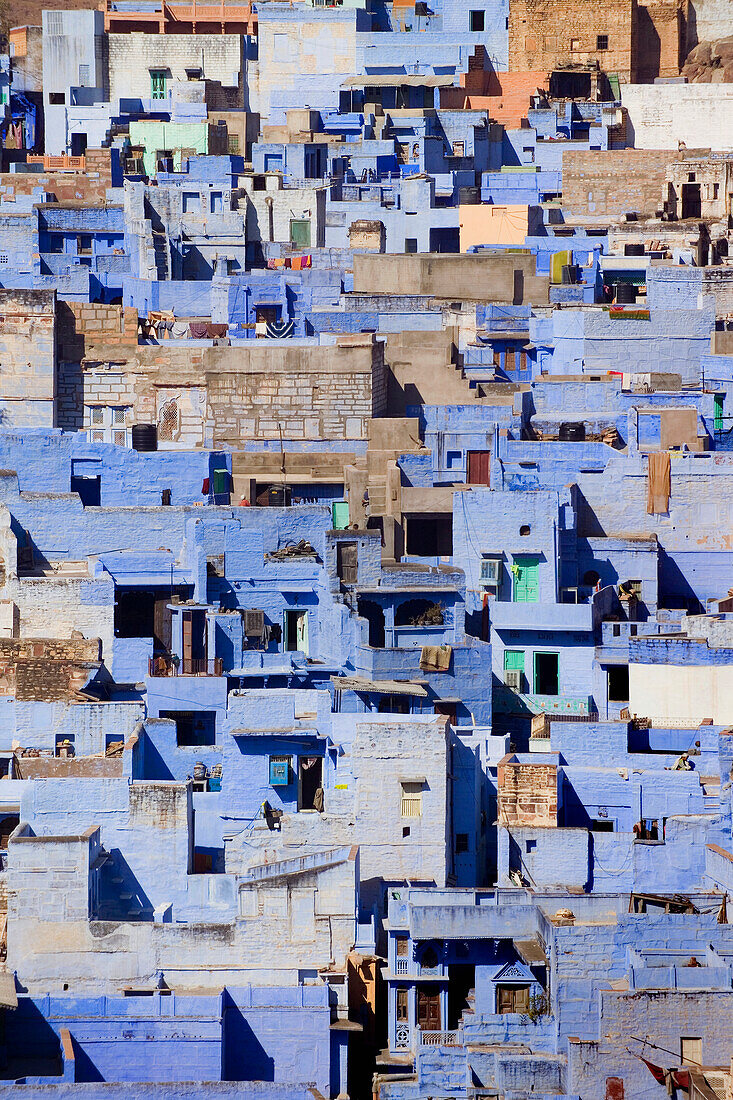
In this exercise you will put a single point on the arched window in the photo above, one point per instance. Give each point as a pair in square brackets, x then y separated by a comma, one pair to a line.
[419, 613]
[591, 578]
[374, 615]
[524, 529]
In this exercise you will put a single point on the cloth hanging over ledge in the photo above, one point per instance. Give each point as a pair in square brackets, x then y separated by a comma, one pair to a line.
[659, 483]
[435, 658]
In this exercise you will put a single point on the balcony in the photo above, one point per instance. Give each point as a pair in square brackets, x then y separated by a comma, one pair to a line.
[541, 616]
[401, 966]
[439, 1038]
[189, 666]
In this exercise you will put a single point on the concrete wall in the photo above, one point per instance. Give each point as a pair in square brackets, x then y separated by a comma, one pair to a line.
[131, 56]
[497, 278]
[662, 115]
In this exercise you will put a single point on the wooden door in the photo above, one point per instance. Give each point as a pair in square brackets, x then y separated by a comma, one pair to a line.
[479, 467]
[428, 1009]
[347, 564]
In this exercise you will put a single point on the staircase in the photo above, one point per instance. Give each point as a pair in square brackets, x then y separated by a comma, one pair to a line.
[161, 255]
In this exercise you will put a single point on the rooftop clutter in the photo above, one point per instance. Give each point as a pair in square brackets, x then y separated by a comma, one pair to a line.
[366, 587]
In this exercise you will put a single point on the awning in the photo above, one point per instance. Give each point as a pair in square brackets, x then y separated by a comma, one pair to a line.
[8, 996]
[531, 952]
[380, 687]
[397, 80]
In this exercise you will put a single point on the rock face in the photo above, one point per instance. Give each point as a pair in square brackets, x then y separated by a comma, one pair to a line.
[710, 62]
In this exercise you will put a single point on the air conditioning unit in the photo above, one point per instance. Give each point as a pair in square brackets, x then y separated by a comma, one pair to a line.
[490, 572]
[254, 623]
[513, 679]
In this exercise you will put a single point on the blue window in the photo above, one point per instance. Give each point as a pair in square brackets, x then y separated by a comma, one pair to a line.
[279, 771]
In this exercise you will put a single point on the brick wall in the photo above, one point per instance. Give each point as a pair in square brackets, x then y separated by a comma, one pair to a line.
[617, 181]
[526, 793]
[229, 395]
[132, 56]
[89, 185]
[545, 34]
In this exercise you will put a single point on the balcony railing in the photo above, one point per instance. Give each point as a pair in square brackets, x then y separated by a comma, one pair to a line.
[63, 162]
[189, 666]
[400, 966]
[439, 1039]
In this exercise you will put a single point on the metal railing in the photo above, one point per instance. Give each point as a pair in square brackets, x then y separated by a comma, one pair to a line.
[400, 966]
[189, 666]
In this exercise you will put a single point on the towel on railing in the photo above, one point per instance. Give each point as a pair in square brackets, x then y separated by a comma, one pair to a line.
[435, 658]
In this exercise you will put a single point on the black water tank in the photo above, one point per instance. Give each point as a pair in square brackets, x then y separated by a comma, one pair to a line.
[625, 293]
[144, 437]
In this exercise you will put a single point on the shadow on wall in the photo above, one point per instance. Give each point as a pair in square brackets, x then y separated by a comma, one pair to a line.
[121, 895]
[245, 1059]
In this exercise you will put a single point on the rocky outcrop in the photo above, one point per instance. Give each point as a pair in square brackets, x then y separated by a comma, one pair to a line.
[710, 63]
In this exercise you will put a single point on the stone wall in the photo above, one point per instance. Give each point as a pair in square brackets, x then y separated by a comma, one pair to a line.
[527, 793]
[226, 396]
[612, 183]
[545, 34]
[28, 357]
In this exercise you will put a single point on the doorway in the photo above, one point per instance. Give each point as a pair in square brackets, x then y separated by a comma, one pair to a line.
[194, 641]
[461, 983]
[691, 201]
[546, 673]
[478, 468]
[526, 578]
[310, 783]
[428, 1008]
[296, 632]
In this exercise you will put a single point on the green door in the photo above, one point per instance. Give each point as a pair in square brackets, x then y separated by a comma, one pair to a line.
[514, 660]
[300, 232]
[525, 572]
[718, 399]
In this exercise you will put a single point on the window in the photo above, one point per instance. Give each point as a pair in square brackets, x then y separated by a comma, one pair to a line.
[108, 424]
[461, 843]
[602, 42]
[490, 572]
[233, 145]
[512, 998]
[401, 944]
[459, 148]
[574, 43]
[83, 76]
[716, 188]
[514, 660]
[194, 728]
[411, 801]
[279, 771]
[158, 82]
[55, 22]
[4, 263]
[57, 99]
[84, 244]
[402, 1005]
[191, 202]
[410, 244]
[476, 20]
